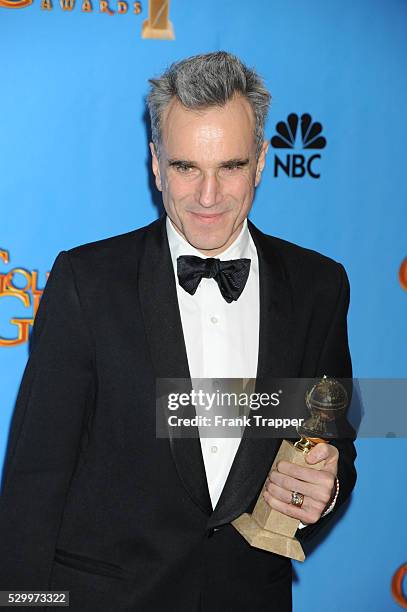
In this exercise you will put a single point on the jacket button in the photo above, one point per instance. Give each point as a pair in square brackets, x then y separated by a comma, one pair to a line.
[210, 532]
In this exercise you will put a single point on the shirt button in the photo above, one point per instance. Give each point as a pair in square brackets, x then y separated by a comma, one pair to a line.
[214, 449]
[214, 320]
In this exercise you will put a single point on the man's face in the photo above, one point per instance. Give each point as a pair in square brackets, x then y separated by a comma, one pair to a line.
[208, 171]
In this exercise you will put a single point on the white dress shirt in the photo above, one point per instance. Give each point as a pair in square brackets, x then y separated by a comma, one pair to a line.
[222, 339]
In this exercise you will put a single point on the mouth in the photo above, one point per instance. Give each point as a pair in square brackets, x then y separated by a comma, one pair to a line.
[207, 218]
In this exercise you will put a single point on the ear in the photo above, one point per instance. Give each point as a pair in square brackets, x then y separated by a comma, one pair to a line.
[261, 161]
[155, 165]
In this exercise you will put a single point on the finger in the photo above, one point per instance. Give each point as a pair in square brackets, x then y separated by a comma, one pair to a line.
[281, 494]
[305, 473]
[320, 452]
[320, 492]
[306, 516]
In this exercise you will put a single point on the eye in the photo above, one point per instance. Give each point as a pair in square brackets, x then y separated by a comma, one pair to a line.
[183, 168]
[232, 168]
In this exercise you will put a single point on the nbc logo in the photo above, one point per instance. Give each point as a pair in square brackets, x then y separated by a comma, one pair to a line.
[296, 165]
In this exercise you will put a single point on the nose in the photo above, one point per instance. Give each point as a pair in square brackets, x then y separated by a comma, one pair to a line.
[209, 191]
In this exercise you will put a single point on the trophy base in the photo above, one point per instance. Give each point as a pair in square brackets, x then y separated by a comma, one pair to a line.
[161, 33]
[268, 540]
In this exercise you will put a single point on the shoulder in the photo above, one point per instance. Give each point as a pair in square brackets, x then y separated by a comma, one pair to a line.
[112, 244]
[111, 258]
[300, 258]
[302, 267]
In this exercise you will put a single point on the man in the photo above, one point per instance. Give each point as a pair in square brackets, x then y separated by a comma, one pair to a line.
[93, 502]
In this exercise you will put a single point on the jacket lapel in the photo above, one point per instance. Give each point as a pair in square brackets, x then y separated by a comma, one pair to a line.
[255, 455]
[159, 305]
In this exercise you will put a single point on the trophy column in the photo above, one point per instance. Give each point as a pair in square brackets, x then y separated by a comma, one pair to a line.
[158, 24]
[267, 528]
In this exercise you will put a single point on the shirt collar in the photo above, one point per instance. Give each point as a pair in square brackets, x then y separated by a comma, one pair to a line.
[179, 246]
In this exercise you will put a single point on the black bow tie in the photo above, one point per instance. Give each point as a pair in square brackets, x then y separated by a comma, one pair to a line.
[230, 275]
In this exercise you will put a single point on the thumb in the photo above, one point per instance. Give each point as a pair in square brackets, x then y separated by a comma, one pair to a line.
[318, 453]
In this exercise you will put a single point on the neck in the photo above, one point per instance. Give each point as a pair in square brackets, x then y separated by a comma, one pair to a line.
[216, 251]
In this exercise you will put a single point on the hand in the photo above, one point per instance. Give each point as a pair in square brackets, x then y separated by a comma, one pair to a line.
[317, 486]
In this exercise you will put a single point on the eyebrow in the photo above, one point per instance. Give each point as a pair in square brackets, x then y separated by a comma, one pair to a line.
[226, 164]
[235, 162]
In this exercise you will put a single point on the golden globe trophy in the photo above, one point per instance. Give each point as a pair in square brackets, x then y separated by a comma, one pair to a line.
[158, 24]
[267, 528]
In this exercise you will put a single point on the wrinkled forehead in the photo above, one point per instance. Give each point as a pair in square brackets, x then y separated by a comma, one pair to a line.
[211, 132]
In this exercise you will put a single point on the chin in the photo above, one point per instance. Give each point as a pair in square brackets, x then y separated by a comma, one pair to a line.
[206, 240]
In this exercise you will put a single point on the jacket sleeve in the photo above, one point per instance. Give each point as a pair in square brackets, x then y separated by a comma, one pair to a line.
[55, 396]
[335, 361]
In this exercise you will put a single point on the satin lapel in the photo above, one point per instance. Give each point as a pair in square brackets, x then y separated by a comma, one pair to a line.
[255, 455]
[159, 305]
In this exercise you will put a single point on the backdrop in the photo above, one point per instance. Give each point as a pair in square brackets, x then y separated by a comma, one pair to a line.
[73, 167]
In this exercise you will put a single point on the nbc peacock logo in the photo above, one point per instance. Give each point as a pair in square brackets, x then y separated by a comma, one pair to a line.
[297, 165]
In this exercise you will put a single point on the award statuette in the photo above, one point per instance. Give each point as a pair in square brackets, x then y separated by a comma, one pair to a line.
[267, 528]
[158, 24]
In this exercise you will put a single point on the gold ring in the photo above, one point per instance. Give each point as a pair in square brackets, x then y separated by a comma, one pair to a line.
[297, 499]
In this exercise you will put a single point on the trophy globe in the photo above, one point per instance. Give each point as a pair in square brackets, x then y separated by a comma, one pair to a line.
[327, 402]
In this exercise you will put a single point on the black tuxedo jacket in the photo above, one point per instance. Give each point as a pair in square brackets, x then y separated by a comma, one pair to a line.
[92, 501]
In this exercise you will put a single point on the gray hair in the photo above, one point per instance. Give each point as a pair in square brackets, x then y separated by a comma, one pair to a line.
[203, 81]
